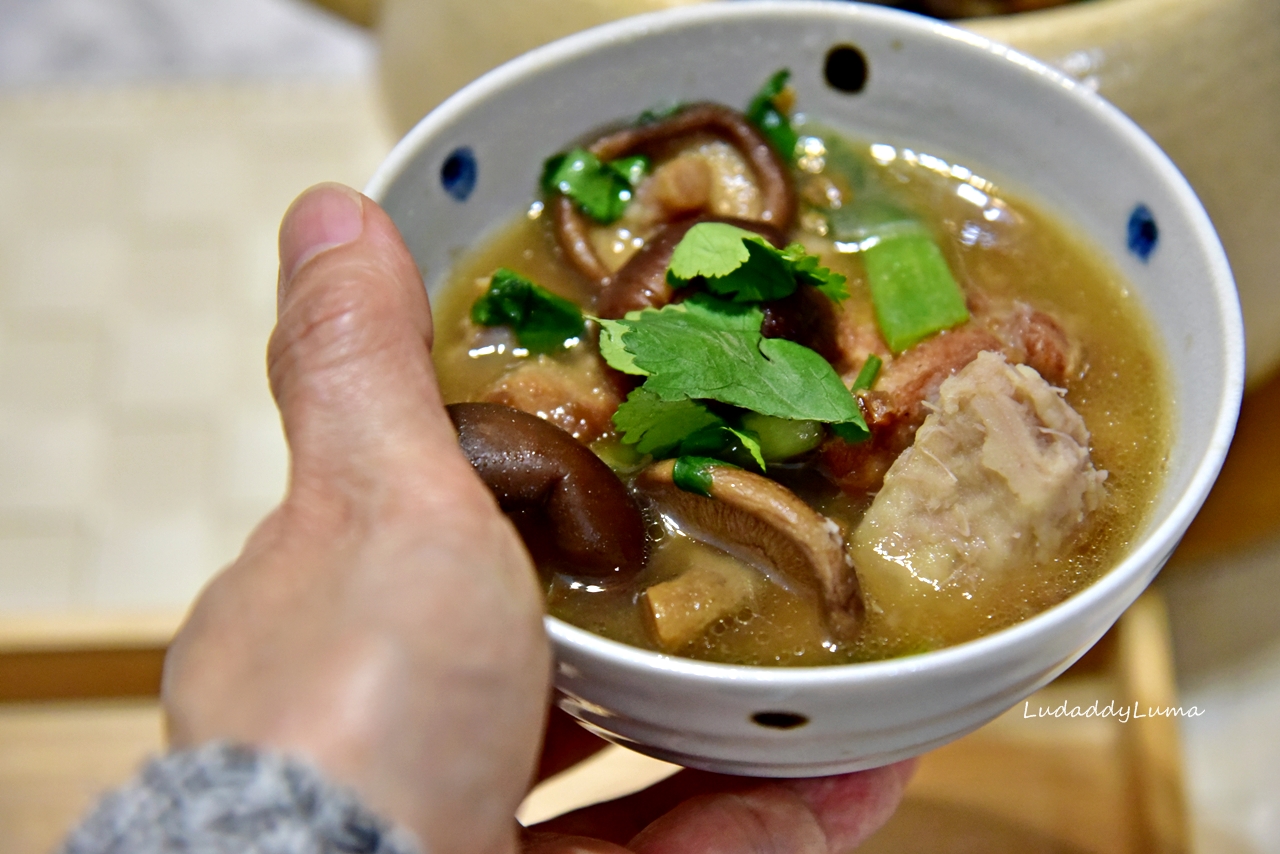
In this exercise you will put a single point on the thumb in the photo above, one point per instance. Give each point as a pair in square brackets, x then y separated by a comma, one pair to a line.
[349, 360]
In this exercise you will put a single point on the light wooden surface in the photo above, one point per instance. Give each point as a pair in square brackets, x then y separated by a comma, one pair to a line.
[1014, 786]
[57, 759]
[89, 630]
[89, 655]
[1244, 506]
[1027, 782]
[1152, 753]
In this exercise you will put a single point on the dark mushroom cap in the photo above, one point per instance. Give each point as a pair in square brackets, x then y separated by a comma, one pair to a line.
[642, 281]
[568, 505]
[772, 174]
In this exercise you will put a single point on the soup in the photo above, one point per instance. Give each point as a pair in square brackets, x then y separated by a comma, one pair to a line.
[996, 435]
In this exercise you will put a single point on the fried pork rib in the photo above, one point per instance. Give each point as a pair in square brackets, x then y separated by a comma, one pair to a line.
[897, 406]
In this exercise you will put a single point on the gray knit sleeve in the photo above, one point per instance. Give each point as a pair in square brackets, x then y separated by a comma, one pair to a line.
[223, 799]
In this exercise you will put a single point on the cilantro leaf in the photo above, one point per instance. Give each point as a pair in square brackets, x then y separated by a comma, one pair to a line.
[710, 249]
[806, 270]
[612, 349]
[743, 265]
[711, 349]
[819, 393]
[543, 322]
[751, 442]
[630, 169]
[656, 426]
[724, 442]
[764, 276]
[765, 114]
[601, 190]
[666, 428]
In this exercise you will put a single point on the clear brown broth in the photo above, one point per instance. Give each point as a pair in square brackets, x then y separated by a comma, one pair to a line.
[1123, 396]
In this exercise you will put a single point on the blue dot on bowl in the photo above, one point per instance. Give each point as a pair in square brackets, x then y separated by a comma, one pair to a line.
[458, 173]
[1143, 234]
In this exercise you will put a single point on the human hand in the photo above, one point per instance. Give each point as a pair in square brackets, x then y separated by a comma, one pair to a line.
[694, 812]
[385, 623]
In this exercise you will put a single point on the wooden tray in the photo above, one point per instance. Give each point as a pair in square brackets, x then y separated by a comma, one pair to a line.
[1023, 783]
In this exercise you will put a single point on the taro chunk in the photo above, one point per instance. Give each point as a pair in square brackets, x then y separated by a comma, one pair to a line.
[998, 482]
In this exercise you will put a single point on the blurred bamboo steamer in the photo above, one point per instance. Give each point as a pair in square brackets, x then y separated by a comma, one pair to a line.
[362, 12]
[1201, 76]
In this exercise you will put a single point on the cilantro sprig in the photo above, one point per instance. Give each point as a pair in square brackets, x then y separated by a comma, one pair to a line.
[656, 426]
[542, 321]
[704, 348]
[602, 190]
[742, 265]
[709, 349]
[681, 427]
[867, 374]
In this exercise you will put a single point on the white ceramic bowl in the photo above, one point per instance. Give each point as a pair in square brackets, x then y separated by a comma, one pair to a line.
[1201, 76]
[473, 164]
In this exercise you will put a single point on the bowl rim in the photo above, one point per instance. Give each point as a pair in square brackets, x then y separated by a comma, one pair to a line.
[1148, 554]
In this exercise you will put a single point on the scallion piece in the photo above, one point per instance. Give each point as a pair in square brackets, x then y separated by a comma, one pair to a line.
[601, 190]
[912, 289]
[867, 373]
[783, 438]
[542, 321]
[763, 112]
[694, 474]
[869, 217]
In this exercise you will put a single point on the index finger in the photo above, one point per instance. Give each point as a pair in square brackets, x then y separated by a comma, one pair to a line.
[702, 812]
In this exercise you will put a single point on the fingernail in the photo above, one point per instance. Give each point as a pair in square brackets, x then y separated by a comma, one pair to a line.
[323, 217]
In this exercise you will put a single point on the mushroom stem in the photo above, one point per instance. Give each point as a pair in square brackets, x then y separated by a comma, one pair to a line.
[568, 505]
[572, 235]
[759, 518]
[679, 610]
